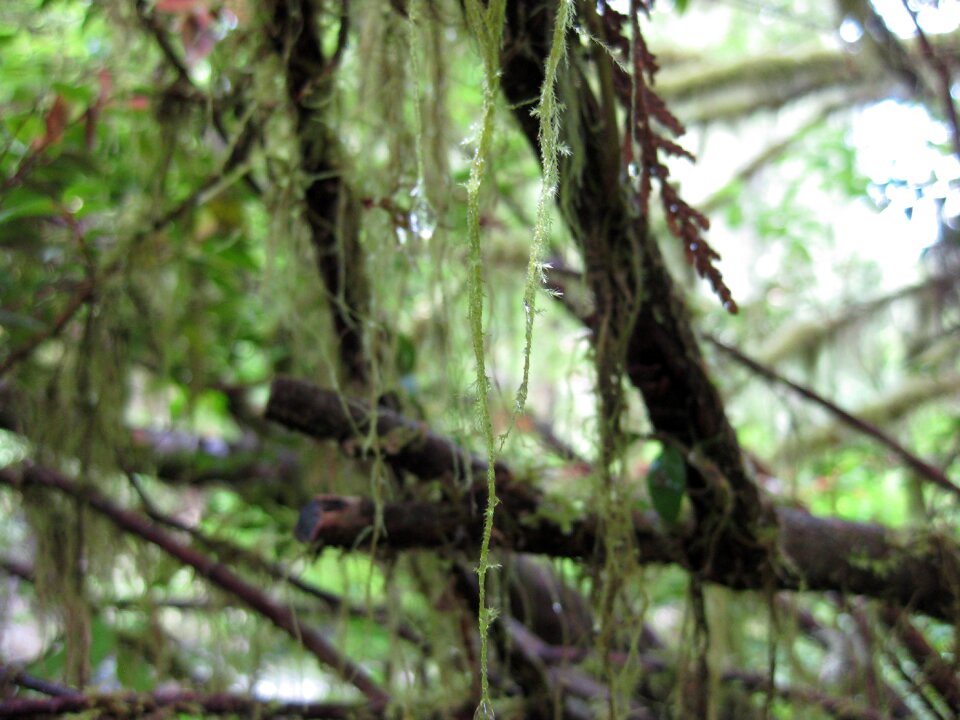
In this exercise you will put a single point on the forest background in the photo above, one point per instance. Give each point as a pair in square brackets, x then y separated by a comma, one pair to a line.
[289, 289]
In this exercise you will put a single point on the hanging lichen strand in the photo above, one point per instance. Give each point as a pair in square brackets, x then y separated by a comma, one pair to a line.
[548, 111]
[486, 24]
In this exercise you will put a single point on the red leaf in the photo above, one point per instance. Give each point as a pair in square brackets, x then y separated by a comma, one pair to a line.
[56, 121]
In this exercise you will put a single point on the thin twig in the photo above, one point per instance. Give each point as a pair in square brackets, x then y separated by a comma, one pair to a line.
[183, 74]
[225, 549]
[81, 297]
[937, 672]
[921, 467]
[943, 76]
[283, 617]
[37, 684]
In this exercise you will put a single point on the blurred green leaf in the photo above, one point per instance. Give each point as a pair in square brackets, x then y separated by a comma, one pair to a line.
[667, 483]
[23, 202]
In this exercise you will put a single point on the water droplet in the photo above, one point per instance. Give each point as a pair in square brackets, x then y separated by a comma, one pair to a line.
[850, 30]
[484, 712]
[694, 246]
[633, 170]
[557, 608]
[423, 220]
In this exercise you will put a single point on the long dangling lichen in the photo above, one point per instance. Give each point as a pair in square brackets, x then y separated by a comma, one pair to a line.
[548, 110]
[486, 23]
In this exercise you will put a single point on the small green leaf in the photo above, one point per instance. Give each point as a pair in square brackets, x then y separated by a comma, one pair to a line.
[406, 354]
[10, 319]
[20, 203]
[132, 672]
[667, 483]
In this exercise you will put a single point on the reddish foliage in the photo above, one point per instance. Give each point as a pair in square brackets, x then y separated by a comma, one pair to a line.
[647, 114]
[56, 122]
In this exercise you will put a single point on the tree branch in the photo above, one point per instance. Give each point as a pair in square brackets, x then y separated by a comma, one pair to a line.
[938, 673]
[815, 553]
[138, 705]
[639, 323]
[218, 574]
[924, 469]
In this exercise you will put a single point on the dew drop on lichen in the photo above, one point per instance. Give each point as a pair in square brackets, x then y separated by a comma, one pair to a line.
[484, 712]
[423, 220]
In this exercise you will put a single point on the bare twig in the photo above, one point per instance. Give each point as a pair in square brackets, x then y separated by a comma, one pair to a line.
[233, 553]
[283, 617]
[32, 682]
[937, 672]
[924, 469]
[152, 26]
[83, 294]
[138, 705]
[943, 77]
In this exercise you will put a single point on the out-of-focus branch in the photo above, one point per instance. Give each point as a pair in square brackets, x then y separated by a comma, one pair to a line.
[330, 204]
[942, 71]
[178, 701]
[241, 147]
[281, 616]
[79, 299]
[410, 445]
[924, 469]
[767, 156]
[939, 674]
[233, 553]
[27, 681]
[836, 707]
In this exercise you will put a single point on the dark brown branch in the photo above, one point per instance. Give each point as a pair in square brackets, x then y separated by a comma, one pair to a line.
[37, 684]
[136, 705]
[943, 78]
[937, 672]
[641, 326]
[281, 616]
[330, 205]
[924, 469]
[232, 553]
[820, 553]
[407, 444]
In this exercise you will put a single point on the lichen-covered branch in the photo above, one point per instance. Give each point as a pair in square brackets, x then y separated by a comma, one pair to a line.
[920, 573]
[640, 324]
[331, 209]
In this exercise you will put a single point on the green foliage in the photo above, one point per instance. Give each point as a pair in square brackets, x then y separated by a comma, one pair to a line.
[158, 270]
[667, 483]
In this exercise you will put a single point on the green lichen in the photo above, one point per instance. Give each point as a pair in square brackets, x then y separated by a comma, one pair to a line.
[486, 23]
